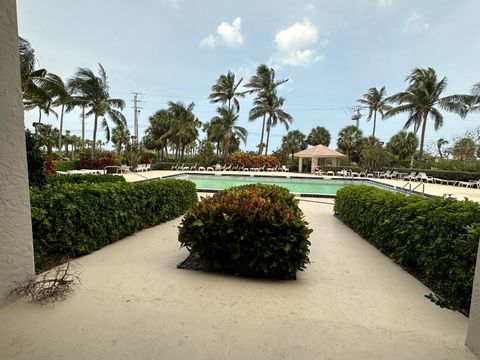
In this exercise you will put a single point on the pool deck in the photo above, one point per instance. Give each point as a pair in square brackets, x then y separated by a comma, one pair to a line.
[351, 303]
[431, 189]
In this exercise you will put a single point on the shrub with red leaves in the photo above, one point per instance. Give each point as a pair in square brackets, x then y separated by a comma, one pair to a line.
[252, 161]
[99, 162]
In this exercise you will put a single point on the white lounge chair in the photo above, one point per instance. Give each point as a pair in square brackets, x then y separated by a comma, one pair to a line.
[384, 175]
[411, 176]
[422, 177]
[285, 169]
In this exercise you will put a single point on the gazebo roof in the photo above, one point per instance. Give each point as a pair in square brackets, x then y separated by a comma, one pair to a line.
[318, 151]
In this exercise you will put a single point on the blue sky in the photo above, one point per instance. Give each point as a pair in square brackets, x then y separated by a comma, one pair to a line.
[332, 52]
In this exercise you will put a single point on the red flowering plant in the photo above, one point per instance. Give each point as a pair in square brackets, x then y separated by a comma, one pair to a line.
[253, 230]
[252, 161]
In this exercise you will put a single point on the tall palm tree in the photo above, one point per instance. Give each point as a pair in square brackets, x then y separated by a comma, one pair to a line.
[95, 91]
[440, 144]
[28, 70]
[157, 134]
[293, 142]
[422, 99]
[225, 123]
[270, 106]
[319, 136]
[263, 84]
[375, 100]
[403, 144]
[184, 129]
[48, 137]
[120, 138]
[54, 86]
[350, 140]
[225, 91]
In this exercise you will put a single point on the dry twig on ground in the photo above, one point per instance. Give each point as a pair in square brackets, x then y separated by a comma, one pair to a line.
[50, 287]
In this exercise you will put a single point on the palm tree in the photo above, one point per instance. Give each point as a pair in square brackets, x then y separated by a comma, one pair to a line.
[120, 138]
[95, 92]
[225, 90]
[157, 134]
[293, 142]
[319, 136]
[375, 100]
[184, 129]
[263, 83]
[403, 144]
[54, 86]
[48, 137]
[350, 140]
[225, 123]
[421, 100]
[41, 100]
[270, 106]
[28, 71]
[441, 143]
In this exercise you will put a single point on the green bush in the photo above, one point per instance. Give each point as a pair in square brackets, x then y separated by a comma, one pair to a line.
[253, 230]
[76, 219]
[64, 165]
[84, 179]
[442, 174]
[436, 239]
[37, 175]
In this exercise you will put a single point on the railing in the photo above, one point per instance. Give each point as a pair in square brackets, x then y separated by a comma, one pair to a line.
[409, 184]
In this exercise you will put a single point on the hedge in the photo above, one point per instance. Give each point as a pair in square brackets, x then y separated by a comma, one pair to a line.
[63, 165]
[442, 174]
[84, 179]
[253, 230]
[252, 161]
[435, 239]
[76, 219]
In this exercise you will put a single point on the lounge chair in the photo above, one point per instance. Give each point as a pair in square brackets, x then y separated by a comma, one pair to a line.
[330, 173]
[422, 177]
[384, 175]
[174, 167]
[471, 183]
[392, 175]
[193, 168]
[285, 169]
[410, 177]
[201, 168]
[140, 167]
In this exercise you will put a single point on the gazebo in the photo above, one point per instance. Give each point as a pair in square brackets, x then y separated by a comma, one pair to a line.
[318, 152]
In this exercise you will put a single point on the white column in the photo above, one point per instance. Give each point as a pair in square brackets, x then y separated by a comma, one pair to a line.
[300, 163]
[473, 334]
[314, 164]
[16, 251]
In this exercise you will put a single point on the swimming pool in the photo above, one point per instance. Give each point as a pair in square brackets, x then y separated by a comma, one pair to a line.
[297, 185]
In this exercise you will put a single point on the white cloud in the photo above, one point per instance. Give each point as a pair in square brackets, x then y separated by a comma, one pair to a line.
[230, 34]
[309, 8]
[415, 23]
[295, 45]
[208, 41]
[385, 3]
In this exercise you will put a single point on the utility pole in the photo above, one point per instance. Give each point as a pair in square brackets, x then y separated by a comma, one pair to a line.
[136, 111]
[357, 116]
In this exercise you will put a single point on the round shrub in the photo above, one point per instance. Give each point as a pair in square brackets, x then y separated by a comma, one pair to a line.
[253, 230]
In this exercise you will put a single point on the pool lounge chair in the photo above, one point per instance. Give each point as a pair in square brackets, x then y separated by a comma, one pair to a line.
[471, 183]
[285, 169]
[174, 167]
[422, 177]
[410, 177]
[384, 175]
[392, 175]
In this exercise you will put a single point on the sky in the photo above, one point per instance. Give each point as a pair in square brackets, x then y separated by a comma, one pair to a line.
[332, 52]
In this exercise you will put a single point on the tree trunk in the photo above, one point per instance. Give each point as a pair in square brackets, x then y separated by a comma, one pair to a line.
[61, 128]
[39, 115]
[260, 146]
[83, 126]
[422, 139]
[268, 136]
[94, 142]
[374, 122]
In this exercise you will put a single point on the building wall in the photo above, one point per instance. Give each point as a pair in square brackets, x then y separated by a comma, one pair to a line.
[473, 335]
[16, 251]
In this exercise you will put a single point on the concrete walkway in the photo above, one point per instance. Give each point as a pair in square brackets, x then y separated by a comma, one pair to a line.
[351, 303]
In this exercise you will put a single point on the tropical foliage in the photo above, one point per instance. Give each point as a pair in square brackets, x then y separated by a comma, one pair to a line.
[376, 102]
[403, 144]
[319, 136]
[350, 141]
[293, 142]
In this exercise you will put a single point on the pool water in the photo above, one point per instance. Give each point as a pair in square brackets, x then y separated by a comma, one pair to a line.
[302, 186]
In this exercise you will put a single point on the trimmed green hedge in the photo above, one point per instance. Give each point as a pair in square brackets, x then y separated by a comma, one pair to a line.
[442, 174]
[253, 230]
[84, 179]
[435, 239]
[76, 219]
[64, 165]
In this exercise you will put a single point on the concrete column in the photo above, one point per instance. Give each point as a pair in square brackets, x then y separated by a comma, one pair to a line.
[314, 164]
[473, 334]
[300, 164]
[16, 250]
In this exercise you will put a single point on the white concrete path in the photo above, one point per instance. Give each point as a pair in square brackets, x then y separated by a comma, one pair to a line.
[351, 303]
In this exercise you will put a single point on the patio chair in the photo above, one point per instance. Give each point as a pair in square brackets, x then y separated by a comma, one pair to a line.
[285, 169]
[363, 174]
[174, 167]
[209, 168]
[384, 175]
[201, 168]
[218, 167]
[193, 168]
[140, 167]
[410, 177]
[392, 175]
[148, 167]
[471, 183]
[330, 173]
[422, 177]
